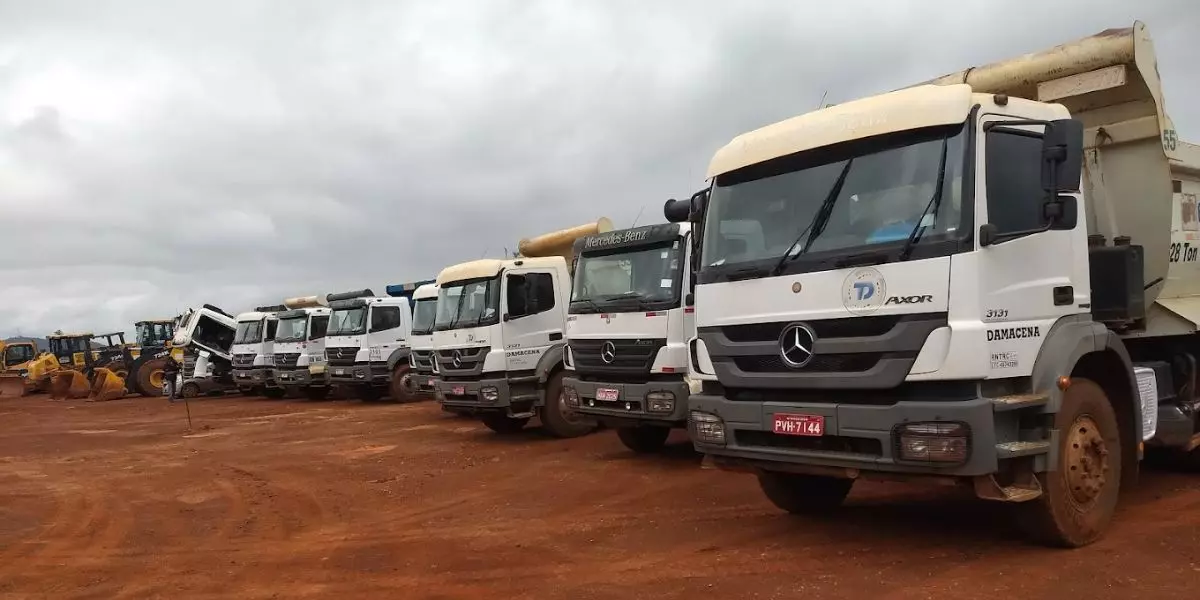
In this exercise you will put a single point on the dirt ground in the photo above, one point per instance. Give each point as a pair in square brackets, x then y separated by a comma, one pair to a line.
[299, 499]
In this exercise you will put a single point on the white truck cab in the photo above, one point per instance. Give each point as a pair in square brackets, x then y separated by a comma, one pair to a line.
[628, 328]
[206, 329]
[254, 351]
[367, 343]
[990, 277]
[499, 336]
[421, 380]
[299, 346]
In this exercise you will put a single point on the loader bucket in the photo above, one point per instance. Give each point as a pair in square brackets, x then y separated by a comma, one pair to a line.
[68, 385]
[106, 385]
[11, 385]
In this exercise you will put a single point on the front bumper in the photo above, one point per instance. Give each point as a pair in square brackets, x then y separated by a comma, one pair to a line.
[423, 383]
[374, 373]
[631, 407]
[465, 395]
[300, 377]
[253, 377]
[856, 436]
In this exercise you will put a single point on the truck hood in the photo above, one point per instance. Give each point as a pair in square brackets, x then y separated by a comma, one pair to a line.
[919, 286]
[260, 348]
[468, 338]
[422, 342]
[345, 341]
[626, 325]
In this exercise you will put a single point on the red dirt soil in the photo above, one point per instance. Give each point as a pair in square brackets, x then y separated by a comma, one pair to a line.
[298, 499]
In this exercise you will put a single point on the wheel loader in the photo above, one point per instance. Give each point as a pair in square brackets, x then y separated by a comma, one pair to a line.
[145, 360]
[15, 360]
[88, 366]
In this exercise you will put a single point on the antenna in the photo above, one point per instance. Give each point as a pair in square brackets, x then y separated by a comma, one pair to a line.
[821, 104]
[639, 215]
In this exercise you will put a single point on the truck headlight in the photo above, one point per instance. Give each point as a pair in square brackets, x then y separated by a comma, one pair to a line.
[489, 393]
[660, 402]
[708, 428]
[934, 442]
[571, 396]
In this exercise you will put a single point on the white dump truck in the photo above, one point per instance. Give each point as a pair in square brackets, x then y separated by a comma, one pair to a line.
[988, 278]
[367, 344]
[299, 346]
[254, 351]
[498, 336]
[423, 374]
[628, 327]
[201, 347]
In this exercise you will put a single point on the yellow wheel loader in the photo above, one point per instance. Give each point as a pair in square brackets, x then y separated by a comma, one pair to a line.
[15, 360]
[89, 366]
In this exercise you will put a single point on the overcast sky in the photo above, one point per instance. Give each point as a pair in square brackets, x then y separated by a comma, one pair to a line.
[158, 154]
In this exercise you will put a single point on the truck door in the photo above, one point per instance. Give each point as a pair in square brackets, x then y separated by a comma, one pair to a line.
[1030, 280]
[532, 320]
[386, 331]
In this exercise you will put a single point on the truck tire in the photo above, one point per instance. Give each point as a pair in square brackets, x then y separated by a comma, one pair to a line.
[804, 494]
[644, 439]
[190, 390]
[274, 393]
[557, 418]
[398, 387]
[1078, 499]
[502, 423]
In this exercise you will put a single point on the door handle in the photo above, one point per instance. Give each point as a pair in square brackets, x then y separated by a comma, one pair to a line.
[1064, 295]
[554, 337]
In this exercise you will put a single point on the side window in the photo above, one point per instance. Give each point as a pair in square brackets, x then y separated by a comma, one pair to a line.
[319, 325]
[385, 317]
[529, 294]
[1015, 198]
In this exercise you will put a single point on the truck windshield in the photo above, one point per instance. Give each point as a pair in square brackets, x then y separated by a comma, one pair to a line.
[468, 304]
[640, 278]
[348, 321]
[862, 196]
[424, 314]
[293, 329]
[248, 332]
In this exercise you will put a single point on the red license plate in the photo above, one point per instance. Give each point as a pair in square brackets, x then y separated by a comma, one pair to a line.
[607, 394]
[459, 390]
[810, 425]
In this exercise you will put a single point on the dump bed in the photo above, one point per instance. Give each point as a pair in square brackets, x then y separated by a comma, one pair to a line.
[1139, 178]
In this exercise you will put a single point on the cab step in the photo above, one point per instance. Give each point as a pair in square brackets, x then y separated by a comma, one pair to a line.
[1018, 449]
[523, 415]
[1019, 401]
[987, 488]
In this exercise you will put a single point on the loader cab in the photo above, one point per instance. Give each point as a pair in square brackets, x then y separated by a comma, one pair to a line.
[17, 354]
[72, 350]
[154, 334]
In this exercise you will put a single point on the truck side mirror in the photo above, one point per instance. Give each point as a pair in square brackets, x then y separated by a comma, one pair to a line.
[1062, 156]
[697, 204]
[1062, 213]
[689, 299]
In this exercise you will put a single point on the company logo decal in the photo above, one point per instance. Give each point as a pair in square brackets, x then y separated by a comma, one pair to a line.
[608, 352]
[1013, 333]
[796, 345]
[864, 291]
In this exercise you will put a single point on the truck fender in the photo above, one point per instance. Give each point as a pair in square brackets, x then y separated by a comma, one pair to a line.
[550, 361]
[397, 355]
[1078, 342]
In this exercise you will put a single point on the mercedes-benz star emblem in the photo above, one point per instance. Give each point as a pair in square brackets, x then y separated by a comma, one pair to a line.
[796, 345]
[608, 352]
[456, 359]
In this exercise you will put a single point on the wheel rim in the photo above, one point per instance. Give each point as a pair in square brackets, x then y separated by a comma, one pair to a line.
[156, 378]
[1087, 462]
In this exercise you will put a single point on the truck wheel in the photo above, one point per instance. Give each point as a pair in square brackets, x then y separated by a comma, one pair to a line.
[644, 439]
[369, 393]
[1078, 499]
[398, 387]
[274, 393]
[317, 393]
[804, 494]
[559, 419]
[501, 423]
[190, 390]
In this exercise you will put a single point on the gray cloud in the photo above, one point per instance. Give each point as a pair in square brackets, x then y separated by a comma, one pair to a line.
[155, 155]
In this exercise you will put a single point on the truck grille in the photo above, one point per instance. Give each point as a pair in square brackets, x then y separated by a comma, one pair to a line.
[341, 355]
[629, 357]
[470, 361]
[423, 360]
[872, 352]
[243, 361]
[287, 360]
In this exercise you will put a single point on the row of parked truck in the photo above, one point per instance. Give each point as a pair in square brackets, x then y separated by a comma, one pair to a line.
[987, 279]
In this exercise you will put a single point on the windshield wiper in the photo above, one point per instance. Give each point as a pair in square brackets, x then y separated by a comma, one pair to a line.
[818, 222]
[934, 202]
[458, 310]
[591, 303]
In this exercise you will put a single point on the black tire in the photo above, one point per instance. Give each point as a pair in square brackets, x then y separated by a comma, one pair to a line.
[398, 387]
[190, 390]
[559, 420]
[501, 423]
[274, 393]
[1079, 498]
[142, 374]
[317, 393]
[644, 439]
[804, 494]
[369, 393]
